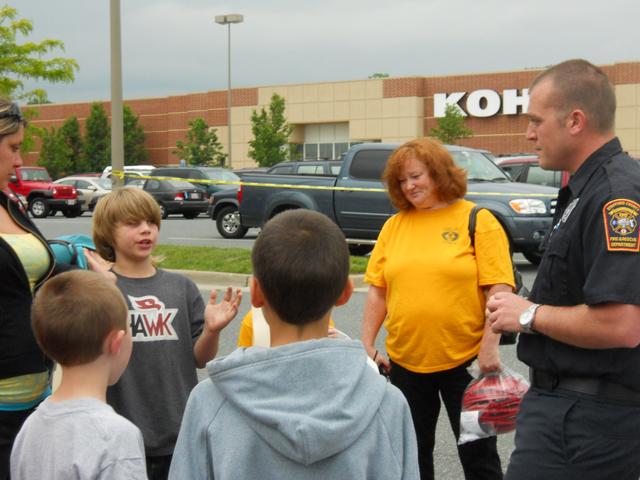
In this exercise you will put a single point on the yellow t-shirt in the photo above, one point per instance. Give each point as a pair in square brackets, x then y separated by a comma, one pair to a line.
[433, 279]
[245, 337]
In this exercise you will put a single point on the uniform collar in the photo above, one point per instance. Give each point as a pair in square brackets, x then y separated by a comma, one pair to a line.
[592, 163]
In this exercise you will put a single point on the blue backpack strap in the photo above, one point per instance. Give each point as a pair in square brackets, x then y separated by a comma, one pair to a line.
[69, 249]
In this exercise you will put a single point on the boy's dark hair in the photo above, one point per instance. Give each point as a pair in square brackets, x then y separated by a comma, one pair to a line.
[74, 312]
[301, 261]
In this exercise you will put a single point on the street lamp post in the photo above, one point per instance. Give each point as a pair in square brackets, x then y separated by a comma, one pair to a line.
[228, 20]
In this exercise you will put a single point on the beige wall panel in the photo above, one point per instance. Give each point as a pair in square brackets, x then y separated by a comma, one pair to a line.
[374, 89]
[357, 90]
[341, 91]
[390, 107]
[310, 112]
[341, 111]
[325, 112]
[294, 112]
[626, 117]
[629, 139]
[325, 92]
[374, 109]
[265, 93]
[295, 94]
[357, 130]
[411, 107]
[358, 109]
[241, 156]
[374, 128]
[411, 128]
[223, 136]
[242, 115]
[627, 95]
[390, 128]
[297, 135]
[244, 134]
[310, 93]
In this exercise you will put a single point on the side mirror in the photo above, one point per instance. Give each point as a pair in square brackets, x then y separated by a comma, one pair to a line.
[92, 188]
[13, 179]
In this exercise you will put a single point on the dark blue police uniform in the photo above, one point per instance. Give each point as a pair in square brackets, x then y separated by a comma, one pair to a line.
[581, 417]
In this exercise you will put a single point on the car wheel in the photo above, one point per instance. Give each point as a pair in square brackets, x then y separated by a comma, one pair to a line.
[39, 207]
[228, 223]
[533, 257]
[359, 249]
[190, 215]
[164, 213]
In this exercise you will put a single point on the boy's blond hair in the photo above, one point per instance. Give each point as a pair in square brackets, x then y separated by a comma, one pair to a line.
[74, 312]
[125, 205]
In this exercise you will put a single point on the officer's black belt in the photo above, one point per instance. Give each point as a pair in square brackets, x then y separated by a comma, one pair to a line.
[596, 387]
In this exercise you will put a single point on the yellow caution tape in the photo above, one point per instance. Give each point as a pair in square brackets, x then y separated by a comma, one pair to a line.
[120, 174]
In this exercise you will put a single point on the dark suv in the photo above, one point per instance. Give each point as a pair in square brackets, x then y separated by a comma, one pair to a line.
[527, 169]
[201, 177]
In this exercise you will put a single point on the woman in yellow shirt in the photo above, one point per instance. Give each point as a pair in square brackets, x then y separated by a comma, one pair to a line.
[428, 284]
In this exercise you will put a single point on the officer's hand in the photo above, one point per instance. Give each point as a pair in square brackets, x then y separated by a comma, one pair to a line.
[504, 310]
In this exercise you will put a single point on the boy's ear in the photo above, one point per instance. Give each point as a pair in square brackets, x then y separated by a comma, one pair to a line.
[113, 342]
[346, 293]
[257, 296]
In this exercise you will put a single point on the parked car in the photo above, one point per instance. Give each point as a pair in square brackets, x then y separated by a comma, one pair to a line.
[130, 171]
[90, 189]
[34, 187]
[527, 169]
[308, 167]
[204, 177]
[177, 196]
[525, 211]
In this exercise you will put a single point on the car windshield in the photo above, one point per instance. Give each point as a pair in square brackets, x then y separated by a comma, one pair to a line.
[180, 184]
[222, 174]
[104, 183]
[479, 168]
[36, 175]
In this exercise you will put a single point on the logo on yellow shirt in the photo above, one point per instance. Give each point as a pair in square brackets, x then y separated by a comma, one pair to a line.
[450, 236]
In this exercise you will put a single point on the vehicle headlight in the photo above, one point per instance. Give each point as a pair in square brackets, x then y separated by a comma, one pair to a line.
[527, 206]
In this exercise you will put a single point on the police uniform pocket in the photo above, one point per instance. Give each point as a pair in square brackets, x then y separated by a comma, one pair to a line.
[557, 268]
[597, 433]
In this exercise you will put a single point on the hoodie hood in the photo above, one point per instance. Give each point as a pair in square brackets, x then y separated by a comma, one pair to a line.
[301, 398]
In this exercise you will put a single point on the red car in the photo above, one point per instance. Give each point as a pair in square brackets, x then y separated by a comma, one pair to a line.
[526, 168]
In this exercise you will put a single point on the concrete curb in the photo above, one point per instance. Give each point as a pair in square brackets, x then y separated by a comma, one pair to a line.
[217, 280]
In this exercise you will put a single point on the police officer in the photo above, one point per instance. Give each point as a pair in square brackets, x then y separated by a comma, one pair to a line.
[581, 324]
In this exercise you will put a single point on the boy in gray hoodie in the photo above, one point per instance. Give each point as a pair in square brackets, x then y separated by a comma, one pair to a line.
[309, 407]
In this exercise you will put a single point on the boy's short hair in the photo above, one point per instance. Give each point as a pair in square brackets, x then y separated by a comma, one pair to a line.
[301, 261]
[74, 312]
[125, 205]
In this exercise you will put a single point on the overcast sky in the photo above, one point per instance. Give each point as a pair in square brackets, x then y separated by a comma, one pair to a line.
[174, 47]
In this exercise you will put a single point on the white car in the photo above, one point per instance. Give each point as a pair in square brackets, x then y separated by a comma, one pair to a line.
[90, 189]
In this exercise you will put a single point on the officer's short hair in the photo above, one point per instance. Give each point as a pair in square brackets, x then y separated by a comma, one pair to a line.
[580, 84]
[74, 312]
[301, 262]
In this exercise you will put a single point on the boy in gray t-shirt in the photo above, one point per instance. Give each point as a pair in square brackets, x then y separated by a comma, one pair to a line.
[80, 320]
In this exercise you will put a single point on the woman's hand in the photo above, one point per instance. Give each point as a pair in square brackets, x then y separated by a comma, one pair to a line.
[99, 265]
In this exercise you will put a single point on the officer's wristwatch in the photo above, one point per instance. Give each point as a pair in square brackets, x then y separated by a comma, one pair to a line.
[527, 317]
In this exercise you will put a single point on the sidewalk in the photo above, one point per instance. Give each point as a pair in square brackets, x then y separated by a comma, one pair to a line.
[217, 280]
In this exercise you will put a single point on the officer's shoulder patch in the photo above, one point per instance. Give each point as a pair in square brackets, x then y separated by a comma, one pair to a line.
[621, 225]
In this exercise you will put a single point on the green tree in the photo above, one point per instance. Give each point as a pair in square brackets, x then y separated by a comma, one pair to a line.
[70, 133]
[270, 134]
[202, 146]
[28, 60]
[55, 154]
[37, 97]
[451, 127]
[134, 151]
[97, 139]
[379, 75]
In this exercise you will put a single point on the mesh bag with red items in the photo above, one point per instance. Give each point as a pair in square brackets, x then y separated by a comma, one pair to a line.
[490, 405]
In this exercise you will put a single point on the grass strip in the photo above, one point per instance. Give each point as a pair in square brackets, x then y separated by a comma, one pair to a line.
[229, 260]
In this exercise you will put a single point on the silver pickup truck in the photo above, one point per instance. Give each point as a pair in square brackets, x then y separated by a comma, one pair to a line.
[357, 202]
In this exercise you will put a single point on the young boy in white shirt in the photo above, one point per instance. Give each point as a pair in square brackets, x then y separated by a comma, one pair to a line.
[80, 320]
